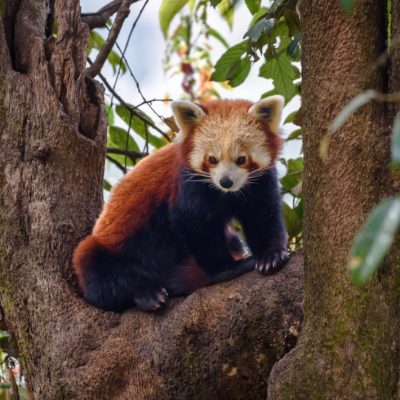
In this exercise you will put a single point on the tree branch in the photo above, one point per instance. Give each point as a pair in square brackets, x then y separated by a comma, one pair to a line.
[145, 101]
[101, 58]
[99, 19]
[133, 155]
[131, 109]
[117, 164]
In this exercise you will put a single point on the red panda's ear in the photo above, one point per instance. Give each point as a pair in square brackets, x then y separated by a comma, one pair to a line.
[269, 110]
[186, 115]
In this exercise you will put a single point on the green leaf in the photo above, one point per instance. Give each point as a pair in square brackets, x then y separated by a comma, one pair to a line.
[212, 32]
[283, 73]
[215, 2]
[4, 385]
[118, 137]
[396, 142]
[115, 60]
[292, 21]
[351, 107]
[290, 117]
[347, 5]
[294, 174]
[242, 69]
[226, 8]
[269, 93]
[292, 221]
[293, 48]
[106, 185]
[139, 126]
[261, 13]
[168, 10]
[253, 5]
[96, 40]
[281, 31]
[374, 240]
[276, 5]
[297, 134]
[259, 28]
[121, 139]
[231, 57]
[299, 209]
[109, 114]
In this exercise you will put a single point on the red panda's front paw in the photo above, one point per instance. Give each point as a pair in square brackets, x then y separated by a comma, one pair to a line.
[272, 262]
[151, 299]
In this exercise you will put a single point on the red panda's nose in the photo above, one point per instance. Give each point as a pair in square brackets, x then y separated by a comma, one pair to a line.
[226, 182]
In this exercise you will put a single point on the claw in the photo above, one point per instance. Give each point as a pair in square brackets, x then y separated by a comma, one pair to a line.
[151, 299]
[275, 259]
[272, 262]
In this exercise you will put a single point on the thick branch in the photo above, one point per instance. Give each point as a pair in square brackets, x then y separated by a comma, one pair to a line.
[101, 58]
[100, 18]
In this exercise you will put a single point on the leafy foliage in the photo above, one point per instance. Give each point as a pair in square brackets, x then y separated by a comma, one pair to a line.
[283, 73]
[231, 66]
[253, 5]
[168, 9]
[273, 35]
[96, 42]
[374, 240]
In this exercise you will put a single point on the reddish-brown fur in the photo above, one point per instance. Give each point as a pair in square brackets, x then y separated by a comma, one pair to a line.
[83, 253]
[274, 142]
[155, 181]
[227, 108]
[194, 276]
[152, 182]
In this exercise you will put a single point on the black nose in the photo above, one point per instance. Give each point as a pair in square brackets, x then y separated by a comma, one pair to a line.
[226, 182]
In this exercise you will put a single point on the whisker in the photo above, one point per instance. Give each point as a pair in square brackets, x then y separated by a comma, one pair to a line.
[241, 193]
[198, 177]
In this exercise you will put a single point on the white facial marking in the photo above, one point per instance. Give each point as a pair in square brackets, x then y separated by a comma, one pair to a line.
[229, 170]
[228, 137]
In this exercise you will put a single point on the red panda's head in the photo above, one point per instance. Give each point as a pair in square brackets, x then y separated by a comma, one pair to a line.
[229, 141]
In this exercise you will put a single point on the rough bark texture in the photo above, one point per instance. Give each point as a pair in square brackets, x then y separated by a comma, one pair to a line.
[349, 346]
[221, 342]
[394, 75]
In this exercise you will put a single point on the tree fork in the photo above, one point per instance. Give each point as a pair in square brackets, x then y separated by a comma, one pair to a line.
[220, 341]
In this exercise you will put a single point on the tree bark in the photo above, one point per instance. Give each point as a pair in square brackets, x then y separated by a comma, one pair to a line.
[349, 345]
[220, 342]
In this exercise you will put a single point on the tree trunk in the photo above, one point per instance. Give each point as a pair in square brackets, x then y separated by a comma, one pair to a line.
[349, 345]
[220, 342]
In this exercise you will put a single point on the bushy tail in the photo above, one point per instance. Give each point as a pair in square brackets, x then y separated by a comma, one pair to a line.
[106, 280]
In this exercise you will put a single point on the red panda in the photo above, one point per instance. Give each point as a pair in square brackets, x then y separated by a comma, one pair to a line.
[164, 230]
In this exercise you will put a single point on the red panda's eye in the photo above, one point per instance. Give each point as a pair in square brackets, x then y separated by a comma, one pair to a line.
[212, 160]
[241, 160]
